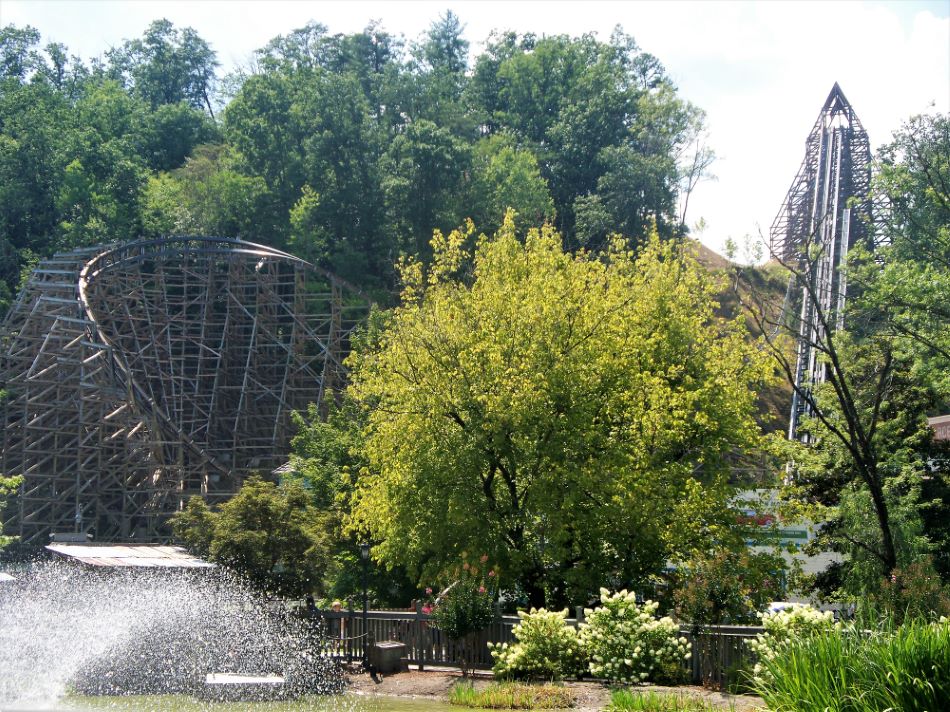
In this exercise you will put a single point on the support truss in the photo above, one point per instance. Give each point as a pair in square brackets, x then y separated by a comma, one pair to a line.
[826, 212]
[141, 374]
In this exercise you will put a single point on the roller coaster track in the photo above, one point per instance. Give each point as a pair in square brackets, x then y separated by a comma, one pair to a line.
[826, 211]
[140, 374]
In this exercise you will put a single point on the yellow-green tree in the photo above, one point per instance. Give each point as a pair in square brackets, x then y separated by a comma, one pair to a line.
[569, 416]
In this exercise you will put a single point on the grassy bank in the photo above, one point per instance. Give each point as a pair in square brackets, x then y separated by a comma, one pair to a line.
[512, 696]
[630, 701]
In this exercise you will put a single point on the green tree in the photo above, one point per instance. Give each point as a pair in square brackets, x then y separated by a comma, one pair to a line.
[272, 534]
[424, 183]
[603, 120]
[870, 468]
[439, 77]
[19, 58]
[507, 177]
[166, 66]
[268, 133]
[444, 48]
[32, 118]
[570, 417]
[907, 282]
[311, 127]
[342, 167]
[171, 132]
[866, 452]
[328, 455]
[207, 196]
[98, 200]
[8, 487]
[869, 489]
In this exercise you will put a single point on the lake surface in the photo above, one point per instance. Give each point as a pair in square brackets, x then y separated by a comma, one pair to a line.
[180, 703]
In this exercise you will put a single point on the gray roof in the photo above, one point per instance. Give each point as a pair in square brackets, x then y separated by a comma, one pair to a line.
[130, 555]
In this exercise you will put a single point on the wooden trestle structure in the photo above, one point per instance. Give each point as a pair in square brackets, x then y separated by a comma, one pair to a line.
[138, 375]
[826, 212]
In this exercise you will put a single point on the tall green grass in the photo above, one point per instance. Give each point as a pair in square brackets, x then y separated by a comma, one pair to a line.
[628, 701]
[512, 696]
[906, 670]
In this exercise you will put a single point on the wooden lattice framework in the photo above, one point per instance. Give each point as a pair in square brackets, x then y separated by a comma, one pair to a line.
[140, 374]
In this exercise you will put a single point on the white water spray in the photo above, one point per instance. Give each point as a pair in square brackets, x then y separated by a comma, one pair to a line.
[69, 629]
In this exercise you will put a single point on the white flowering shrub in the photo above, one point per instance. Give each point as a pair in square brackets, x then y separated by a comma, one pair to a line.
[627, 643]
[798, 622]
[545, 648]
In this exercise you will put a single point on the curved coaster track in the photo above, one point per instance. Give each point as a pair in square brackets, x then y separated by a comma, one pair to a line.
[140, 374]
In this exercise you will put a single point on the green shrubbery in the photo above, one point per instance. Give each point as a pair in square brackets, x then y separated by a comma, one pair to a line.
[784, 628]
[546, 648]
[620, 641]
[806, 661]
[852, 670]
[627, 643]
[467, 606]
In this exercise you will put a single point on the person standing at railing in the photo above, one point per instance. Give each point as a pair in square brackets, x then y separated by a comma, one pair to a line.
[337, 627]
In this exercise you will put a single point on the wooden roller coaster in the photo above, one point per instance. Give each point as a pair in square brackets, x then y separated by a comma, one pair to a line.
[140, 374]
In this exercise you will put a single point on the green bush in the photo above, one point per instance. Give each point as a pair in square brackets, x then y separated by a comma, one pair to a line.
[627, 643]
[725, 587]
[915, 591]
[861, 671]
[465, 607]
[546, 648]
[464, 610]
[782, 629]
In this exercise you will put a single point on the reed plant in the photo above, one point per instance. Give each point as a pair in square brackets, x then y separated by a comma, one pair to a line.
[512, 696]
[630, 701]
[852, 670]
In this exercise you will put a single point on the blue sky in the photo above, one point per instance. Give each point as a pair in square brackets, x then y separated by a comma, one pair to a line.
[760, 70]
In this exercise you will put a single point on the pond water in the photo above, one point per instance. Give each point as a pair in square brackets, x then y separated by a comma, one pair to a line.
[180, 703]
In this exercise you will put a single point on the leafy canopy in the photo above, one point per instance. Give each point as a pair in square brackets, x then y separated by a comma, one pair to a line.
[568, 415]
[271, 533]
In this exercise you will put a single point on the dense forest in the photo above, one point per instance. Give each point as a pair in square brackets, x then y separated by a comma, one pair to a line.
[348, 150]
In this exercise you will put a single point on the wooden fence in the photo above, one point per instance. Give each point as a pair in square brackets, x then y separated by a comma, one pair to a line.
[718, 652]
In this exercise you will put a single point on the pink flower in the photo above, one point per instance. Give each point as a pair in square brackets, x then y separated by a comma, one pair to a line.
[427, 609]
[428, 590]
[490, 574]
[481, 589]
[484, 558]
[465, 566]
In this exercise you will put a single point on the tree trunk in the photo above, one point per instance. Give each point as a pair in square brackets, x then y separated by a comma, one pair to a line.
[889, 552]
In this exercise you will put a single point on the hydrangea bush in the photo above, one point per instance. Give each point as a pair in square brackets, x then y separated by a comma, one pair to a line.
[798, 622]
[545, 648]
[627, 643]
